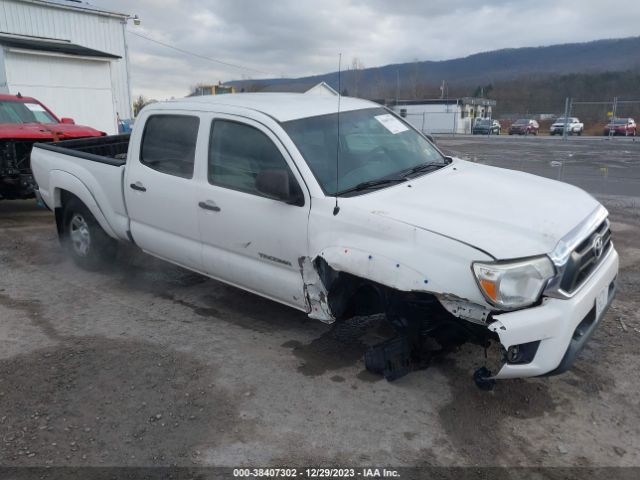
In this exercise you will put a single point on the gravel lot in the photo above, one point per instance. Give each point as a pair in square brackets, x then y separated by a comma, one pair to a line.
[148, 364]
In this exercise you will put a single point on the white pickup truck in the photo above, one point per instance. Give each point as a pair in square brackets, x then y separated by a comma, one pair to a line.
[572, 124]
[344, 214]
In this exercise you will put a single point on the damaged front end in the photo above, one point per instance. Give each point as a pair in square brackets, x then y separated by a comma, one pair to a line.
[16, 179]
[423, 325]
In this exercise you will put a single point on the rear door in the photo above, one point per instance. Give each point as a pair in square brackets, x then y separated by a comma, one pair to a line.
[250, 240]
[159, 188]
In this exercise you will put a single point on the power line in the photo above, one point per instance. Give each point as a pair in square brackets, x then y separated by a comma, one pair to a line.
[203, 57]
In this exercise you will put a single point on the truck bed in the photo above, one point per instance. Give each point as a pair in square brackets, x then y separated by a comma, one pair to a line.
[111, 150]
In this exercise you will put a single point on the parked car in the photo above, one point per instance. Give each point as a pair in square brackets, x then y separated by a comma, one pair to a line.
[524, 126]
[621, 126]
[572, 124]
[486, 126]
[23, 121]
[383, 224]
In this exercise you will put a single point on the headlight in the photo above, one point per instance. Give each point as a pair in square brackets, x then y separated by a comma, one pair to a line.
[511, 285]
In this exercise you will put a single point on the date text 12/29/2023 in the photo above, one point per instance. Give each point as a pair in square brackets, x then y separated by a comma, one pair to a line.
[315, 473]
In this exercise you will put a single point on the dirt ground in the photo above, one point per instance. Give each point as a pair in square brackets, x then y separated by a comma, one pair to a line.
[148, 364]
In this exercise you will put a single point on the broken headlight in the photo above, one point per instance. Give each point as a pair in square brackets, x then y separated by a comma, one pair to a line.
[513, 284]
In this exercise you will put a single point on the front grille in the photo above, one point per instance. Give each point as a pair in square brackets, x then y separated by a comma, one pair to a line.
[586, 258]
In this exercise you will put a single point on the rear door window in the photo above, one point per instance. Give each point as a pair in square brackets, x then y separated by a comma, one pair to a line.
[169, 144]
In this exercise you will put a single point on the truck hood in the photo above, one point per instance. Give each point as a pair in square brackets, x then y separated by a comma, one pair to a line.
[505, 213]
[41, 131]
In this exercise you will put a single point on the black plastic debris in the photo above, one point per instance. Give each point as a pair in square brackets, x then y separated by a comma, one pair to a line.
[482, 378]
[391, 358]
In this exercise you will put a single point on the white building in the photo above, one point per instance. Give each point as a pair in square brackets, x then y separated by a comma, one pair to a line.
[70, 55]
[444, 116]
[321, 88]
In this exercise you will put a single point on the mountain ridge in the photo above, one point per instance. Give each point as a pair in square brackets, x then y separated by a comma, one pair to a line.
[505, 64]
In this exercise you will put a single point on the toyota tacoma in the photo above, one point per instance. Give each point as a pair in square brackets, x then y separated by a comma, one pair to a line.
[341, 212]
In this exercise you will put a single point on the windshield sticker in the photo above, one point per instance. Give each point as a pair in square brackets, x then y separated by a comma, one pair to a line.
[391, 123]
[34, 107]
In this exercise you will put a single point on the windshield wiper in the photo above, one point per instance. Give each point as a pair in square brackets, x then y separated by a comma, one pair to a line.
[422, 167]
[372, 184]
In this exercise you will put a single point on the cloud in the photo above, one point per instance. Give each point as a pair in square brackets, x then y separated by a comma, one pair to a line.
[296, 38]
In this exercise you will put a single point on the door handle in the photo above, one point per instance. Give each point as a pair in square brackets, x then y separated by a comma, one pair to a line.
[209, 205]
[138, 186]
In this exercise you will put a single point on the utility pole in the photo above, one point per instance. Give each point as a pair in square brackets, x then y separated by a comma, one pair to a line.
[613, 116]
[566, 118]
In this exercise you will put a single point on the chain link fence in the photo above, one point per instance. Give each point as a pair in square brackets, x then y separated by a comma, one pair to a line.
[615, 117]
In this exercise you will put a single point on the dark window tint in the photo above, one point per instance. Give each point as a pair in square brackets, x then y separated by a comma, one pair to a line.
[238, 153]
[169, 144]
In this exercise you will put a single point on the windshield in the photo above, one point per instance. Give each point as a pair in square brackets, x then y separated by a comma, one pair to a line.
[521, 122]
[483, 122]
[620, 121]
[19, 112]
[374, 145]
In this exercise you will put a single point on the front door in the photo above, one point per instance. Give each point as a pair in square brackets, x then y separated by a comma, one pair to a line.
[250, 240]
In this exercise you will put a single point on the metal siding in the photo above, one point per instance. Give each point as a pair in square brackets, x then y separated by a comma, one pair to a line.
[77, 88]
[84, 28]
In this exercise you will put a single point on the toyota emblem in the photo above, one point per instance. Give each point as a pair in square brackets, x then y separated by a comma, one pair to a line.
[597, 246]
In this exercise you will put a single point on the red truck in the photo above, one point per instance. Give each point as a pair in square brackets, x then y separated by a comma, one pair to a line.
[23, 122]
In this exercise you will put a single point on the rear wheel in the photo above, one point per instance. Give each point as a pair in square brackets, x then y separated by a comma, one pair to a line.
[85, 240]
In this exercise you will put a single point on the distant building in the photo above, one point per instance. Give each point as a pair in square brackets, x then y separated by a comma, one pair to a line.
[439, 115]
[218, 89]
[321, 88]
[70, 55]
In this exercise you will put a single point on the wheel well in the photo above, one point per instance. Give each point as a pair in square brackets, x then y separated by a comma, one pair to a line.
[65, 197]
[349, 295]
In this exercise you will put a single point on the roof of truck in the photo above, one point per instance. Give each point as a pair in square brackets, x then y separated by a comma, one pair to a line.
[281, 106]
[15, 98]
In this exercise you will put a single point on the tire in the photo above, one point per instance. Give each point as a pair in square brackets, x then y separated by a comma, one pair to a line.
[579, 133]
[84, 239]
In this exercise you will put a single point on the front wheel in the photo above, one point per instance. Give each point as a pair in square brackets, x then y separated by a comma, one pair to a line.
[85, 240]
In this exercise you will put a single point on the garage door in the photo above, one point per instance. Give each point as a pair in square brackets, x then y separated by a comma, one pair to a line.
[71, 87]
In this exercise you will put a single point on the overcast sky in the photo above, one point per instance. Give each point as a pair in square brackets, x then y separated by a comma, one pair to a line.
[298, 37]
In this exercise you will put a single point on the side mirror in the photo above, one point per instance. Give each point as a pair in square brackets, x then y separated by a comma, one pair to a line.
[278, 185]
[68, 121]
